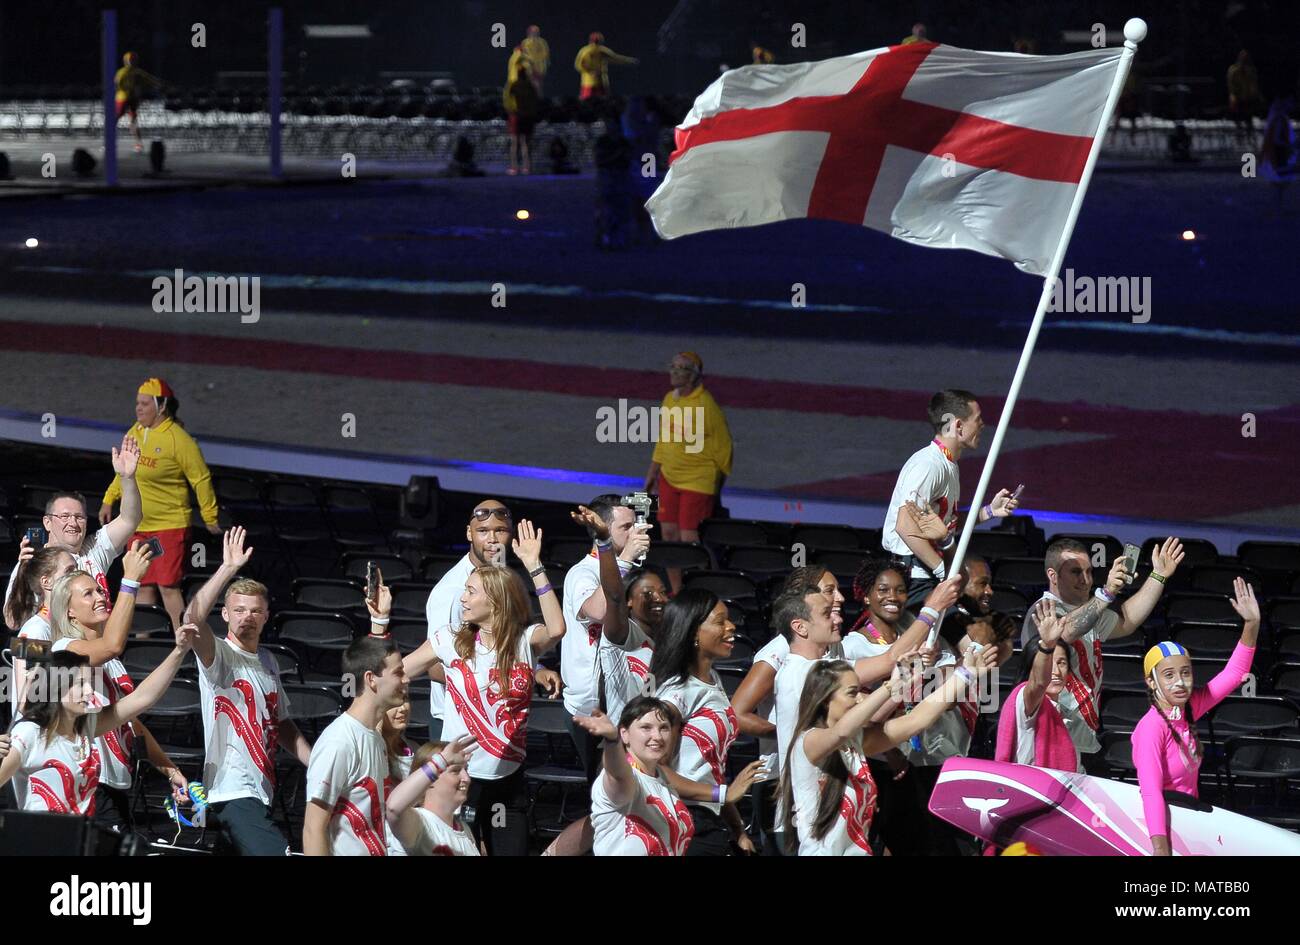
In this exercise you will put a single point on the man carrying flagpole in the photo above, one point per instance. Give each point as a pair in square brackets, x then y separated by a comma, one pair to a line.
[935, 145]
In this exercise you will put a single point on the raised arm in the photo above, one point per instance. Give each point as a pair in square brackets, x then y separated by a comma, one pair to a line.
[821, 742]
[233, 557]
[151, 690]
[926, 712]
[527, 547]
[113, 641]
[620, 781]
[1232, 675]
[409, 793]
[125, 461]
[1080, 621]
[614, 624]
[1040, 674]
[757, 685]
[1164, 562]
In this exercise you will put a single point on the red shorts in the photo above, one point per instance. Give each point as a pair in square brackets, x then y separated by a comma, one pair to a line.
[682, 507]
[127, 105]
[168, 569]
[591, 91]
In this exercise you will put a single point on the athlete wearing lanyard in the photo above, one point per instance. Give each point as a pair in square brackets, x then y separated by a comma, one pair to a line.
[633, 810]
[930, 479]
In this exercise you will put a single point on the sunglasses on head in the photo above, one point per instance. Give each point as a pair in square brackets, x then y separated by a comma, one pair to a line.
[482, 515]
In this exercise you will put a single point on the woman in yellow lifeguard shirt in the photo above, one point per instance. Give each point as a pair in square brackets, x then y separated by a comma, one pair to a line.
[693, 456]
[170, 465]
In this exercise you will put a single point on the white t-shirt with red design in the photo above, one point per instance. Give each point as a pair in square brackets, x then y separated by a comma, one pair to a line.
[654, 821]
[625, 667]
[438, 839]
[709, 729]
[481, 704]
[927, 478]
[848, 835]
[112, 682]
[60, 776]
[581, 641]
[346, 773]
[242, 703]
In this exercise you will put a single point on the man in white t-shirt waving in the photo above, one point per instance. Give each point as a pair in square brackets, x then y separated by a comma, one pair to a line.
[345, 778]
[65, 523]
[245, 711]
[930, 479]
[584, 610]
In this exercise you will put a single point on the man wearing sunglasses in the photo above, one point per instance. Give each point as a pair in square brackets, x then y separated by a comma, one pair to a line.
[489, 530]
[65, 523]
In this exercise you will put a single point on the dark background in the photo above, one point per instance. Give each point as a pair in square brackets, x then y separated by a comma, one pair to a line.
[58, 42]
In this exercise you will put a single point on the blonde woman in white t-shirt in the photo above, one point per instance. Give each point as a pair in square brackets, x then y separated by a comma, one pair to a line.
[488, 665]
[422, 809]
[79, 621]
[28, 606]
[828, 793]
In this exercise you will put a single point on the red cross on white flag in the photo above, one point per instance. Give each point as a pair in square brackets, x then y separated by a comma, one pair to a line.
[936, 145]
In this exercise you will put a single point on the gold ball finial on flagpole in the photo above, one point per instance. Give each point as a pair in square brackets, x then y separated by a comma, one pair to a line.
[1135, 30]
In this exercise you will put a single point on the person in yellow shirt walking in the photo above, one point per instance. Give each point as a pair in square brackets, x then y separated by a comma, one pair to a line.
[130, 83]
[693, 456]
[592, 63]
[170, 465]
[538, 54]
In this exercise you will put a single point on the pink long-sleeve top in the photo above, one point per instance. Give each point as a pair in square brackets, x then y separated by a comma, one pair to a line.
[1160, 764]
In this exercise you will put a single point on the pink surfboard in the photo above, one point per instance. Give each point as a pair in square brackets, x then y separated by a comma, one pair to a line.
[1064, 814]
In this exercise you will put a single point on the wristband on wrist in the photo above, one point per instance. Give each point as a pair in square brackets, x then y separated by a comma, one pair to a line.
[543, 590]
[606, 544]
[988, 511]
[927, 620]
[128, 587]
[932, 612]
[1105, 595]
[540, 569]
[952, 540]
[719, 793]
[380, 621]
[1158, 577]
[940, 571]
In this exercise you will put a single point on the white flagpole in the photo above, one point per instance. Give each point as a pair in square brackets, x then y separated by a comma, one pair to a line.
[1135, 30]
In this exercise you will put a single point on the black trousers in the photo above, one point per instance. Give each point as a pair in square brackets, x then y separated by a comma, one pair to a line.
[245, 828]
[500, 814]
[712, 836]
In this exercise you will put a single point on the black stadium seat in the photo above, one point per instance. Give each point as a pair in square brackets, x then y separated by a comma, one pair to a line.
[826, 537]
[730, 531]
